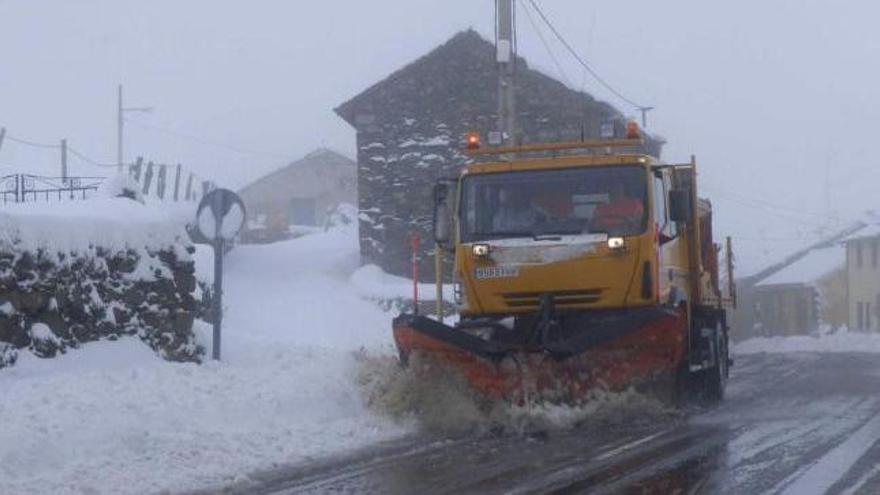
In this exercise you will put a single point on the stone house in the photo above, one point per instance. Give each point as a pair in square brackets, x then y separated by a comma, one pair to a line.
[411, 127]
[863, 278]
[298, 196]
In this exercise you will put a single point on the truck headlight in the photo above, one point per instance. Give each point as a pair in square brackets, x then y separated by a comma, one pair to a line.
[481, 250]
[616, 242]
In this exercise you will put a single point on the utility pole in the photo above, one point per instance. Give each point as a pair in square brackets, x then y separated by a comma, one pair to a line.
[645, 111]
[120, 122]
[63, 160]
[506, 58]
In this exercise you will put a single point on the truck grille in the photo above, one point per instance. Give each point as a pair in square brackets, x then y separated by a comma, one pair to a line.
[560, 298]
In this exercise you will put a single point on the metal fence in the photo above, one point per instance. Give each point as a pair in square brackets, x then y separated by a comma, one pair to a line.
[168, 182]
[21, 188]
[154, 180]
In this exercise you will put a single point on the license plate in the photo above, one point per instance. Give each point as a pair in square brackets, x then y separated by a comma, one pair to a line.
[487, 272]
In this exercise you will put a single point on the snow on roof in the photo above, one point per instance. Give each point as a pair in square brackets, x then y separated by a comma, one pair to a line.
[809, 269]
[871, 230]
[77, 225]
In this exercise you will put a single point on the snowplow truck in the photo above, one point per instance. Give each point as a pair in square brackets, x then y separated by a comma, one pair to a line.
[577, 267]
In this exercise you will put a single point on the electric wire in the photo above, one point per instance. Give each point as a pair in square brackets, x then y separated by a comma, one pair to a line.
[765, 204]
[88, 160]
[547, 46]
[580, 59]
[32, 143]
[210, 142]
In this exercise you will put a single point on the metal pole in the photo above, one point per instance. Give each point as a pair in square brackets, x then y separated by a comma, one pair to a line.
[63, 160]
[2, 135]
[177, 184]
[218, 295]
[438, 269]
[218, 274]
[505, 56]
[414, 244]
[119, 121]
[645, 111]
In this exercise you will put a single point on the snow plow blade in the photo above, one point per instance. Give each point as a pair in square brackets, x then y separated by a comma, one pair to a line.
[609, 351]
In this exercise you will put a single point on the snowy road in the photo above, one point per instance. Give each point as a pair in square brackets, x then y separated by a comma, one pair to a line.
[794, 423]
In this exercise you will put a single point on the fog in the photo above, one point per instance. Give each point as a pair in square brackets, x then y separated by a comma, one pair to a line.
[777, 100]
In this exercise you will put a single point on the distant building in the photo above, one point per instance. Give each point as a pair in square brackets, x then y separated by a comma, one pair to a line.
[863, 275]
[798, 293]
[298, 196]
[794, 300]
[411, 128]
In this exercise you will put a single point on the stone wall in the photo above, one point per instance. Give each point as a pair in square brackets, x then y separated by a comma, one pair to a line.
[53, 301]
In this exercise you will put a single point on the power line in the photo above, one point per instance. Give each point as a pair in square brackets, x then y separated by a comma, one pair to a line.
[743, 199]
[32, 143]
[778, 239]
[580, 60]
[544, 42]
[209, 142]
[82, 156]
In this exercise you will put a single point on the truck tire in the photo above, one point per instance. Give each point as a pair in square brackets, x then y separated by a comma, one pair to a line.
[716, 377]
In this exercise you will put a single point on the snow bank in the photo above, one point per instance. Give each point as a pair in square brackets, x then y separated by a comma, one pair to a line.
[111, 223]
[372, 282]
[113, 419]
[841, 341]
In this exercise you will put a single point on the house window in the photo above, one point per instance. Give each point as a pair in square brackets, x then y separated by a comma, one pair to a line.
[858, 254]
[874, 254]
[860, 316]
[302, 211]
[867, 316]
[877, 308]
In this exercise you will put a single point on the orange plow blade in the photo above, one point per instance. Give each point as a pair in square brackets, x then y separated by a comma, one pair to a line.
[623, 350]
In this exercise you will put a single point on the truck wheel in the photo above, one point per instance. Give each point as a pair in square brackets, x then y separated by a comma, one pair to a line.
[716, 377]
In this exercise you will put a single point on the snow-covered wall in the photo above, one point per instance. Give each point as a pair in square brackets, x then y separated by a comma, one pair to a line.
[90, 270]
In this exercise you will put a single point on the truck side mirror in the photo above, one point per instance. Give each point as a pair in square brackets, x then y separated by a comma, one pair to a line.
[442, 215]
[680, 207]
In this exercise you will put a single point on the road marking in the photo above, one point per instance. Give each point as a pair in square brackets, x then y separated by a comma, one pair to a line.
[629, 446]
[852, 490]
[833, 466]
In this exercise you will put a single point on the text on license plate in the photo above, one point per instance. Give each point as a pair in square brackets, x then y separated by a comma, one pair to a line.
[485, 272]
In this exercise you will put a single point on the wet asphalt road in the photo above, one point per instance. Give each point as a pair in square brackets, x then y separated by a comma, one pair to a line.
[791, 424]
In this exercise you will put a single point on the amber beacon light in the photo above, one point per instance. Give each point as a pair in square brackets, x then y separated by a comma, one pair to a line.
[473, 141]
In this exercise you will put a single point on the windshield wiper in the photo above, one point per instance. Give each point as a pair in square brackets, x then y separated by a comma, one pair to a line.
[503, 234]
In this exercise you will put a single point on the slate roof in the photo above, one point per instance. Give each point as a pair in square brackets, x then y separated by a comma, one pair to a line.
[457, 80]
[319, 157]
[811, 268]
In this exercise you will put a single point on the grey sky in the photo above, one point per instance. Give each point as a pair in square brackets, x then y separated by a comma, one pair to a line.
[768, 95]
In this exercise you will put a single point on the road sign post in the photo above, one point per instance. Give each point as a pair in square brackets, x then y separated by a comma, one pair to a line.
[220, 218]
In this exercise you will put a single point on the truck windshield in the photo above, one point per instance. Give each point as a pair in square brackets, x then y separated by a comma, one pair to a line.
[554, 202]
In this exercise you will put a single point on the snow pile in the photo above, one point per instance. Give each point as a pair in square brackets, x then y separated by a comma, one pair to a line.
[371, 282]
[121, 186]
[113, 418]
[450, 406]
[111, 223]
[840, 341]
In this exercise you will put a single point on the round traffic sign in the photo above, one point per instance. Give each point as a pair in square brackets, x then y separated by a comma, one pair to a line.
[220, 215]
